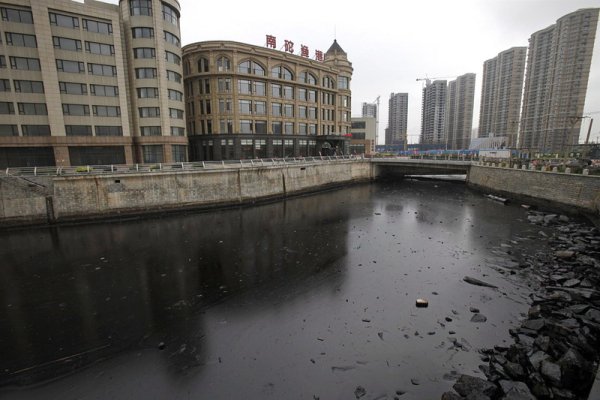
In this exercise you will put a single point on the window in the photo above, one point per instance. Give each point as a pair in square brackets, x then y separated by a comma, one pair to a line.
[20, 39]
[251, 67]
[4, 85]
[108, 130]
[260, 107]
[179, 152]
[7, 107]
[172, 58]
[145, 73]
[328, 82]
[260, 88]
[245, 107]
[343, 82]
[104, 90]
[100, 48]
[301, 94]
[224, 85]
[175, 95]
[282, 72]
[25, 64]
[307, 77]
[277, 127]
[203, 65]
[144, 52]
[276, 109]
[152, 153]
[142, 32]
[288, 92]
[72, 88]
[302, 112]
[104, 28]
[244, 86]
[76, 67]
[16, 15]
[302, 129]
[177, 131]
[65, 21]
[9, 130]
[226, 126]
[225, 106]
[223, 64]
[173, 76]
[140, 7]
[260, 126]
[106, 111]
[288, 110]
[170, 38]
[170, 14]
[2, 62]
[78, 130]
[147, 93]
[66, 43]
[276, 90]
[175, 113]
[206, 86]
[35, 130]
[311, 96]
[245, 126]
[288, 128]
[312, 129]
[32, 108]
[102, 69]
[76, 109]
[150, 130]
[312, 112]
[149, 112]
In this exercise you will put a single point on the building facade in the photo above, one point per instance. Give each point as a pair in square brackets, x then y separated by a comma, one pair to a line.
[501, 95]
[433, 113]
[363, 135]
[369, 110]
[459, 112]
[396, 132]
[558, 67]
[246, 101]
[90, 83]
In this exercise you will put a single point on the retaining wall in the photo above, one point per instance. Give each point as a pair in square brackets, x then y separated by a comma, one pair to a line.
[572, 190]
[93, 196]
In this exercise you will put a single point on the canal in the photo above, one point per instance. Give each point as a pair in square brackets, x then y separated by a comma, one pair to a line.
[307, 298]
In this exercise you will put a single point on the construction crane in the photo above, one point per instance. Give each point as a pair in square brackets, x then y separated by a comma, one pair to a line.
[428, 80]
[377, 121]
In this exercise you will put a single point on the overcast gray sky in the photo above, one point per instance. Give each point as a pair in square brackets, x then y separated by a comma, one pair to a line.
[390, 47]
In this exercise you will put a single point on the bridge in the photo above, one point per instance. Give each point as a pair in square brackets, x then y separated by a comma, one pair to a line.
[388, 167]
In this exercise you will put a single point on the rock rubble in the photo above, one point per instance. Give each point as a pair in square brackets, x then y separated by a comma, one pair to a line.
[556, 348]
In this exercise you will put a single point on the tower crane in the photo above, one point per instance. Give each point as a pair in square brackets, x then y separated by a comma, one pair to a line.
[428, 80]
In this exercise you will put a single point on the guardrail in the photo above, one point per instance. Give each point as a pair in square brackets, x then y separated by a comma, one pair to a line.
[171, 167]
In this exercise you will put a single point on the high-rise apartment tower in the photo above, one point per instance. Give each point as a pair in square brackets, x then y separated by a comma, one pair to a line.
[459, 112]
[501, 95]
[396, 132]
[558, 67]
[433, 113]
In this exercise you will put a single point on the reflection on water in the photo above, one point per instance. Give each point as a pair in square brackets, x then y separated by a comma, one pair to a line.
[253, 300]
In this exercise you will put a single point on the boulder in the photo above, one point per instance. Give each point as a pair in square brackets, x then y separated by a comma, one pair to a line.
[468, 384]
[515, 391]
[551, 372]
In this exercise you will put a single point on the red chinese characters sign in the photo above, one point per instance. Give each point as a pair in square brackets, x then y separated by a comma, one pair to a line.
[288, 47]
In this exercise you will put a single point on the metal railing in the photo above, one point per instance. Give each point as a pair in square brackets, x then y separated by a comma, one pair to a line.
[172, 167]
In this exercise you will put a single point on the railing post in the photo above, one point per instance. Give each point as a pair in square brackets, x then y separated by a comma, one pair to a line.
[112, 168]
[34, 171]
[203, 166]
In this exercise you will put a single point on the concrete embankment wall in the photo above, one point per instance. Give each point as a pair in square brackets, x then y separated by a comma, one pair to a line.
[567, 190]
[84, 197]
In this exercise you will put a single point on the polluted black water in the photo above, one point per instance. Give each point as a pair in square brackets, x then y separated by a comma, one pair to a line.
[313, 297]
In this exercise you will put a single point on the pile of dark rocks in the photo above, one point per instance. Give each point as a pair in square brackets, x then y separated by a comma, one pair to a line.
[556, 349]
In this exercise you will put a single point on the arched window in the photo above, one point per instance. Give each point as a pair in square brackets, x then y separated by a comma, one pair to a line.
[251, 67]
[307, 77]
[328, 82]
[282, 72]
[223, 64]
[202, 65]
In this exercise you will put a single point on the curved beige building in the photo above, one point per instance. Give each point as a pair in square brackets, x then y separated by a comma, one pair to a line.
[90, 83]
[245, 101]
